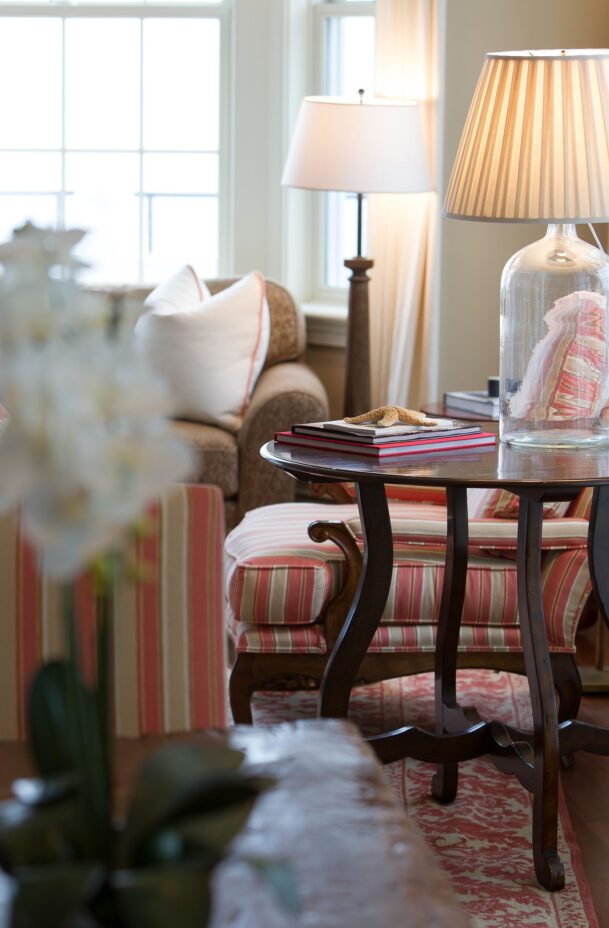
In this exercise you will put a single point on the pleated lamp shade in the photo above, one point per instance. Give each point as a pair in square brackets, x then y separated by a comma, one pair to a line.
[371, 147]
[535, 147]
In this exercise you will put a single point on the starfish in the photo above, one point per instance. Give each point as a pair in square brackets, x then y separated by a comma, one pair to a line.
[389, 415]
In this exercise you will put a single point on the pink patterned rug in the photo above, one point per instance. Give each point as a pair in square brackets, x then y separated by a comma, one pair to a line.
[483, 839]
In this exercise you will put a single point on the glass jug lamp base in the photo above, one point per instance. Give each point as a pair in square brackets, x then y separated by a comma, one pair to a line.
[558, 439]
[554, 353]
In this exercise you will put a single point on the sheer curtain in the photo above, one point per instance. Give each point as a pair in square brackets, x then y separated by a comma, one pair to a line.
[402, 228]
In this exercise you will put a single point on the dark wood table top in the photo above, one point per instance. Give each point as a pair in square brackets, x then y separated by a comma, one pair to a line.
[500, 465]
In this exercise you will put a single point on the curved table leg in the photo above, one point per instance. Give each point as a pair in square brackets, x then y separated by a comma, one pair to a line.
[445, 780]
[368, 604]
[598, 542]
[548, 865]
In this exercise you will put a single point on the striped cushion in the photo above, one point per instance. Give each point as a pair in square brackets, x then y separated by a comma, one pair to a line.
[420, 524]
[274, 572]
[169, 653]
[580, 507]
[482, 503]
[490, 612]
[407, 493]
[278, 582]
[501, 504]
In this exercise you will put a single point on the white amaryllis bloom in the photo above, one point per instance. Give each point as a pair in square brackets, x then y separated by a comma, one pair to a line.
[40, 298]
[87, 444]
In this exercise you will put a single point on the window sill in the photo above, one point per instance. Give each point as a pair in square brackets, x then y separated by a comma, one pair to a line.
[326, 324]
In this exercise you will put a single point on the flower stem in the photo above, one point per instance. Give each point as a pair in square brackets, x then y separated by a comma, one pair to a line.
[87, 745]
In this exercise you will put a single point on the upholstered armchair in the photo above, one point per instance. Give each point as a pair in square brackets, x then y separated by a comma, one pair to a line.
[286, 391]
[169, 643]
[292, 571]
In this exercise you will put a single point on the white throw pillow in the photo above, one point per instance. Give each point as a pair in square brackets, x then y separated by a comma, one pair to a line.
[182, 290]
[210, 352]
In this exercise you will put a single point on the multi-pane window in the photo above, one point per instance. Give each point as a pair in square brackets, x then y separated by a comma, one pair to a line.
[114, 127]
[347, 52]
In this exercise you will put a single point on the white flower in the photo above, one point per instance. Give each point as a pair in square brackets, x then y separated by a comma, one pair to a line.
[87, 445]
[39, 298]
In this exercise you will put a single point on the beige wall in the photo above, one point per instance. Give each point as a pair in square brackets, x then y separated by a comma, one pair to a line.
[472, 254]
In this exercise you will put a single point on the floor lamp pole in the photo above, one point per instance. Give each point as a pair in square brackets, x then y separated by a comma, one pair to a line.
[357, 361]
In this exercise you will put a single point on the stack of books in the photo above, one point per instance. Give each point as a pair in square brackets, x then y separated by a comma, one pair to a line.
[477, 401]
[380, 442]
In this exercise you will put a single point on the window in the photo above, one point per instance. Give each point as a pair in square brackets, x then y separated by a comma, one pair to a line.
[346, 36]
[115, 127]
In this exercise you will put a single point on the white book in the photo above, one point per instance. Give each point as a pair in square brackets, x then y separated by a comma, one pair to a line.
[371, 433]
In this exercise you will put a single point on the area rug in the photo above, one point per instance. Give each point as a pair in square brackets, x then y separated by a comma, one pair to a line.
[483, 839]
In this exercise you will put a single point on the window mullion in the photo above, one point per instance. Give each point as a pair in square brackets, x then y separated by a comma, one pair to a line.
[61, 206]
[141, 242]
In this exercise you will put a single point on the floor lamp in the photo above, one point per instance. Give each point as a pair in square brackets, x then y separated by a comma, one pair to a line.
[358, 147]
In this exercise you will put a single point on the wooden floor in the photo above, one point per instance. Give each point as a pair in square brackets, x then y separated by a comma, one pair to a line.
[586, 790]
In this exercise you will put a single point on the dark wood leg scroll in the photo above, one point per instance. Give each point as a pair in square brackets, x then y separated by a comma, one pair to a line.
[548, 865]
[598, 540]
[367, 608]
[444, 782]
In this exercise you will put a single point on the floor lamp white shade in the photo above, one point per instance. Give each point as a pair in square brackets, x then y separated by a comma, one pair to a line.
[372, 147]
[535, 148]
[358, 147]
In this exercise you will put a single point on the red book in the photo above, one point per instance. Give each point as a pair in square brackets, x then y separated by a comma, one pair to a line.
[388, 449]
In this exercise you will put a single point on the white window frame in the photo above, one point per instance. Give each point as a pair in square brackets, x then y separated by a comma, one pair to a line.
[222, 11]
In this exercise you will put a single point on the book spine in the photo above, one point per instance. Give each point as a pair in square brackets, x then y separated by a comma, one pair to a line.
[390, 450]
[487, 409]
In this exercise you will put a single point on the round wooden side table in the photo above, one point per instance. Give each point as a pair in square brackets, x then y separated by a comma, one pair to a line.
[535, 476]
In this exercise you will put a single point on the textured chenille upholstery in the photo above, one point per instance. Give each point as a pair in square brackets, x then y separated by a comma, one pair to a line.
[287, 391]
[169, 641]
[287, 594]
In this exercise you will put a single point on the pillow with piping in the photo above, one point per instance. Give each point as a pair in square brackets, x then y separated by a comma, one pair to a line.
[183, 289]
[210, 349]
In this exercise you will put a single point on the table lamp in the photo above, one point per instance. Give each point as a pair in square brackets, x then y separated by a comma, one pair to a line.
[376, 146]
[535, 148]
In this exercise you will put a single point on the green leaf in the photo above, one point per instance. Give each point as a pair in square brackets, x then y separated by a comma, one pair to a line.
[159, 897]
[50, 720]
[216, 828]
[51, 897]
[183, 779]
[40, 834]
[65, 738]
[201, 836]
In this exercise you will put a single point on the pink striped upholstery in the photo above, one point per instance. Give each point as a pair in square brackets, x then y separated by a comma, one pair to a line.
[274, 569]
[278, 582]
[169, 650]
[482, 503]
[501, 504]
[565, 374]
[407, 493]
[580, 508]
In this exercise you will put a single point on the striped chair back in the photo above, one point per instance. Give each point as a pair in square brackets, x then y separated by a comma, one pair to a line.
[169, 651]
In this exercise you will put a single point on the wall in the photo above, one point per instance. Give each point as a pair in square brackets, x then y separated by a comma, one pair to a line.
[472, 254]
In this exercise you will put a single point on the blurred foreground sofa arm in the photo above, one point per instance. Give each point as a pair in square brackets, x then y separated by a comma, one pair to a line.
[169, 643]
